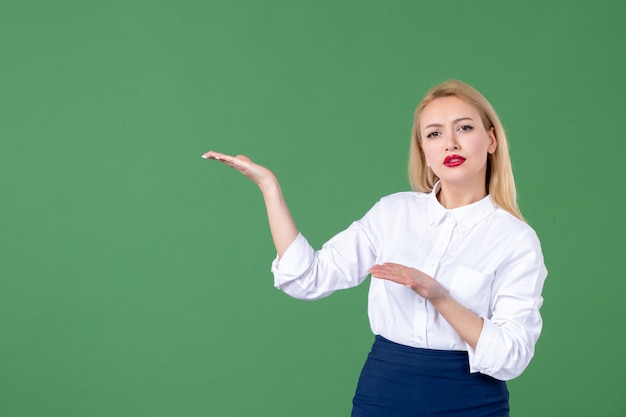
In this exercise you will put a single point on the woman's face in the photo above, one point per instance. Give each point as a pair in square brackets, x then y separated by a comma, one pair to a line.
[455, 141]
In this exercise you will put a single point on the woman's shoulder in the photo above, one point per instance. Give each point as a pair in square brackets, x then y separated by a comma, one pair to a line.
[512, 225]
[396, 204]
[405, 197]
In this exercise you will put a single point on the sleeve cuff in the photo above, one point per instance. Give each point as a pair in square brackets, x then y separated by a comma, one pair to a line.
[484, 358]
[294, 262]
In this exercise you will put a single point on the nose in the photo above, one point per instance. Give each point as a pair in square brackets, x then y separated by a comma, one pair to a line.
[451, 142]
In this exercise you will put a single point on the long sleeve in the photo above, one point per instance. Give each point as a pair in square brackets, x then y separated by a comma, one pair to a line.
[507, 342]
[342, 263]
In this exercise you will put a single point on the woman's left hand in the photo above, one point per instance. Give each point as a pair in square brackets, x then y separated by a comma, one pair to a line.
[421, 283]
[467, 324]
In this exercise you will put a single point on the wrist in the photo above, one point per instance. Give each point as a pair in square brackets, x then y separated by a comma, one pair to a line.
[440, 300]
[269, 185]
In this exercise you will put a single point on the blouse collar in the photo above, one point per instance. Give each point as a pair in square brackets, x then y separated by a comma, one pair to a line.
[464, 216]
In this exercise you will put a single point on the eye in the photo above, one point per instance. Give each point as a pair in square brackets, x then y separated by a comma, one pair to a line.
[465, 128]
[433, 135]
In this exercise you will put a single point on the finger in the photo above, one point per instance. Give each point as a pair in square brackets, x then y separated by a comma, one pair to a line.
[388, 269]
[393, 274]
[384, 268]
[407, 282]
[214, 155]
[384, 273]
[229, 160]
[376, 269]
[394, 265]
[243, 158]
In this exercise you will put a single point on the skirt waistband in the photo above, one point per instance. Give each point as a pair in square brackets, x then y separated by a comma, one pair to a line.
[430, 360]
[402, 381]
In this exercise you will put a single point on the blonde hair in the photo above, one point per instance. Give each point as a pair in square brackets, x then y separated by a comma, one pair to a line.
[499, 180]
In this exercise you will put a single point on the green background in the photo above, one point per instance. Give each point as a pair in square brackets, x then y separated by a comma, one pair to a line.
[134, 275]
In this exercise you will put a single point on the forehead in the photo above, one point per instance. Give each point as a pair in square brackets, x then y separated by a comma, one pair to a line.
[447, 109]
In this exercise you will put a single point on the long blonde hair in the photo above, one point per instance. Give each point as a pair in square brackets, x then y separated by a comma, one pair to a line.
[500, 183]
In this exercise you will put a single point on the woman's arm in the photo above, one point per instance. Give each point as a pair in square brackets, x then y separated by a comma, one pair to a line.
[467, 324]
[503, 343]
[302, 272]
[282, 225]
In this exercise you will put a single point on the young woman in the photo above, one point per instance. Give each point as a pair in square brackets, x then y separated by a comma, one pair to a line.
[456, 273]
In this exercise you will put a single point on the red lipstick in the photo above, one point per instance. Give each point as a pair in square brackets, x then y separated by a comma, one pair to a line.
[453, 161]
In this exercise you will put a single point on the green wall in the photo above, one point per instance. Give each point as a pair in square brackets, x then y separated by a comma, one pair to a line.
[134, 275]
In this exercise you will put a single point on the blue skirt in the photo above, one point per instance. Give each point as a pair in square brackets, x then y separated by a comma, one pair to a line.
[403, 381]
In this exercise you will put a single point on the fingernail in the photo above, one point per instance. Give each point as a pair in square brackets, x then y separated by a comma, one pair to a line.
[205, 157]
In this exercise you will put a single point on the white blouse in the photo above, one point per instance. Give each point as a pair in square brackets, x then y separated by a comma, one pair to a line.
[484, 257]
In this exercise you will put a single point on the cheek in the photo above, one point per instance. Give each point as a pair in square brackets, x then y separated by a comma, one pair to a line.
[427, 159]
[428, 155]
[479, 144]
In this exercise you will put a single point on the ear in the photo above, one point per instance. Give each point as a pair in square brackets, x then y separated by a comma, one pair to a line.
[494, 141]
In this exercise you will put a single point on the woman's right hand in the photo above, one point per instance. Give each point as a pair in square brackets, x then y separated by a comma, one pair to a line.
[282, 226]
[257, 173]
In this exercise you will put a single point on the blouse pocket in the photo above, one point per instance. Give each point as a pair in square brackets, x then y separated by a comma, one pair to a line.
[472, 289]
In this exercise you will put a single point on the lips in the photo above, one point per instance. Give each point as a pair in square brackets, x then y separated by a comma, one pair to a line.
[453, 161]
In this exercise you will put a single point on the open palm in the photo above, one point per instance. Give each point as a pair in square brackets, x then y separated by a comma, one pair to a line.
[257, 173]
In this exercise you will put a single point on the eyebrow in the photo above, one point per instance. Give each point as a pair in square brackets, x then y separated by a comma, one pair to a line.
[460, 119]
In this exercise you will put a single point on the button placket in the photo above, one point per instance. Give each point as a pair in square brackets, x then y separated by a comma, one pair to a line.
[430, 267]
[441, 246]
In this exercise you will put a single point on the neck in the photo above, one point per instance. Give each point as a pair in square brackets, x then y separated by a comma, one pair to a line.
[452, 196]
